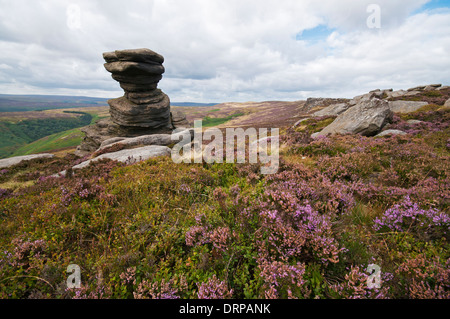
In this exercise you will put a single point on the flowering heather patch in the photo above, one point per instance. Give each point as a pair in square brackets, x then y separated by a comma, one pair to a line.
[214, 289]
[160, 230]
[408, 216]
[355, 286]
[166, 289]
[426, 278]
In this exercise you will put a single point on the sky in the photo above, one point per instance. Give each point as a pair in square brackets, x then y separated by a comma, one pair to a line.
[227, 50]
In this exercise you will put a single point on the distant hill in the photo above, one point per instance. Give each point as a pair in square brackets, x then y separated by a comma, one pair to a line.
[23, 103]
[189, 104]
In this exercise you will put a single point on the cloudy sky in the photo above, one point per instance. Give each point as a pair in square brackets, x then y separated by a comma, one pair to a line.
[227, 50]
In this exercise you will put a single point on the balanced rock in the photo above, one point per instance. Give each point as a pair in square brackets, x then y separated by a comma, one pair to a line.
[143, 109]
[138, 71]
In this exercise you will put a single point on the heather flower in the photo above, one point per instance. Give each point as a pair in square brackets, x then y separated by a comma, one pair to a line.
[355, 286]
[280, 279]
[214, 289]
[408, 216]
[165, 289]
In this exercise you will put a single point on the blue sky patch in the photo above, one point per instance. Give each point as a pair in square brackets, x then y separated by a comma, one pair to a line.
[317, 34]
[434, 4]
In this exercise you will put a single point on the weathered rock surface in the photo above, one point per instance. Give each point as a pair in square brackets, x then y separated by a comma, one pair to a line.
[8, 162]
[179, 119]
[127, 156]
[312, 103]
[391, 132]
[405, 106]
[145, 140]
[366, 118]
[333, 110]
[447, 103]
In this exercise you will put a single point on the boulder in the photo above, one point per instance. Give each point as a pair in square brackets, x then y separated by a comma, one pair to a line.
[414, 122]
[417, 88]
[447, 103]
[333, 110]
[391, 132]
[8, 162]
[366, 118]
[405, 106]
[146, 140]
[127, 156]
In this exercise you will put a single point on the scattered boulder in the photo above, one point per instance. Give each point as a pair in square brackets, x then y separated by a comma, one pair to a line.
[8, 162]
[127, 156]
[391, 132]
[405, 106]
[366, 118]
[414, 122]
[447, 103]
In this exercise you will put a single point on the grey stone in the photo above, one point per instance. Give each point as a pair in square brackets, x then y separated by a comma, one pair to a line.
[432, 87]
[414, 122]
[391, 132]
[406, 106]
[395, 94]
[366, 118]
[179, 119]
[323, 102]
[417, 88]
[145, 140]
[443, 88]
[8, 162]
[332, 110]
[127, 156]
[447, 103]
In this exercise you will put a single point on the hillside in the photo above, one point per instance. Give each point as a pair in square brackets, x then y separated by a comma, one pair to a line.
[23, 103]
[156, 229]
[22, 131]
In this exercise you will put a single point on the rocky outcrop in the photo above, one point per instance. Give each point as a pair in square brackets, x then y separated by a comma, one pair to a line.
[367, 118]
[143, 109]
[8, 162]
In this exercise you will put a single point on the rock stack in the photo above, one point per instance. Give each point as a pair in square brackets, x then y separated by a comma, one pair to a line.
[138, 72]
[143, 109]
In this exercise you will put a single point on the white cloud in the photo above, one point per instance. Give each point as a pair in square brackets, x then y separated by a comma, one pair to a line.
[223, 50]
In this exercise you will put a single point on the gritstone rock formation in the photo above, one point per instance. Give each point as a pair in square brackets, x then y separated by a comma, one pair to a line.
[143, 109]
